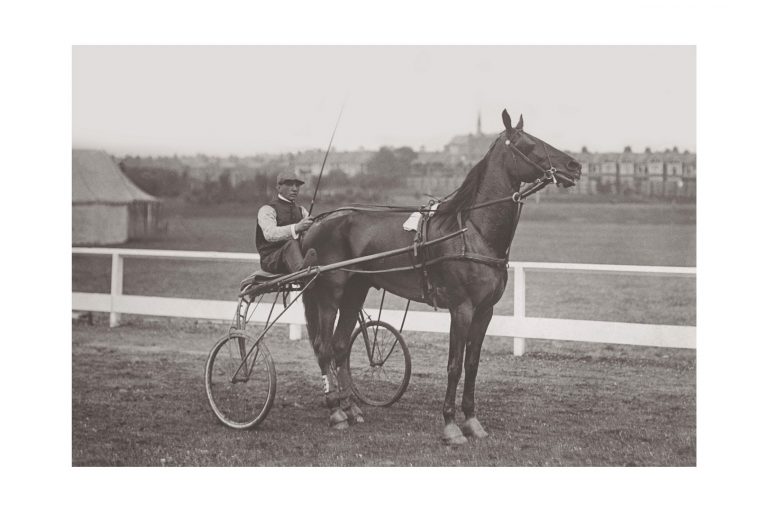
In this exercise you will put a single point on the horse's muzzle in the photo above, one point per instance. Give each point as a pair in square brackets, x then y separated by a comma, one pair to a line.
[568, 176]
[566, 180]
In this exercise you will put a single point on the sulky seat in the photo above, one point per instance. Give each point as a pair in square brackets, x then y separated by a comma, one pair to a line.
[260, 276]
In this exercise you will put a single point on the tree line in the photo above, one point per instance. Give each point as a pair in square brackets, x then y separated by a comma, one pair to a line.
[166, 178]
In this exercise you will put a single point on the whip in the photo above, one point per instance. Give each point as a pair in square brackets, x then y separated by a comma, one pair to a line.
[325, 158]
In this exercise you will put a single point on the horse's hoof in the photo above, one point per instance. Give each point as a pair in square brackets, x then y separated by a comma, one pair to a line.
[355, 419]
[338, 419]
[473, 428]
[452, 435]
[340, 426]
[354, 414]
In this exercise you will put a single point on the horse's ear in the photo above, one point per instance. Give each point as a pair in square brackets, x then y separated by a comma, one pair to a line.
[507, 121]
[519, 123]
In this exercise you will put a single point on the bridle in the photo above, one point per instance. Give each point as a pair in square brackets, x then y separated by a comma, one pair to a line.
[547, 175]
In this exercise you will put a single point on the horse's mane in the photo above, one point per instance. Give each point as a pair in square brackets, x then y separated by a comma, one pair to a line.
[464, 197]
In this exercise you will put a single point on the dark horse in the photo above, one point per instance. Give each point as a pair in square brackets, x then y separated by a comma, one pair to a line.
[468, 278]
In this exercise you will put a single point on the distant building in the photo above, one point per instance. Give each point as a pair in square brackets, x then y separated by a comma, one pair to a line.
[627, 178]
[689, 174]
[107, 208]
[350, 163]
[434, 175]
[467, 150]
[589, 167]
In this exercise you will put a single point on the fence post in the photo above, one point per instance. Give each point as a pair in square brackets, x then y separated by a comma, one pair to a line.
[116, 288]
[518, 343]
[294, 330]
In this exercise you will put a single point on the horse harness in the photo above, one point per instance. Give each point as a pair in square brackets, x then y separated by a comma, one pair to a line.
[420, 253]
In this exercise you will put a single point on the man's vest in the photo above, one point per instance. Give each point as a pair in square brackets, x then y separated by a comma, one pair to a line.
[287, 213]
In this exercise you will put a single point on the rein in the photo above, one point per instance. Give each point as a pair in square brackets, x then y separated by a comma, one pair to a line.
[516, 197]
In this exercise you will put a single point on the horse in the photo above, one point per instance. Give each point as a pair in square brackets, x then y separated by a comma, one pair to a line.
[466, 274]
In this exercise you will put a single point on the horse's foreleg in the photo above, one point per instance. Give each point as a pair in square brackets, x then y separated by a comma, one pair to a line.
[480, 321]
[461, 319]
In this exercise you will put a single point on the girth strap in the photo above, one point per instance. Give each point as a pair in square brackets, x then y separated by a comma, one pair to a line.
[427, 289]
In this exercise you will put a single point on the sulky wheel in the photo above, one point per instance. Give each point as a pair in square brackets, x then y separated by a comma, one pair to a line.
[379, 363]
[240, 380]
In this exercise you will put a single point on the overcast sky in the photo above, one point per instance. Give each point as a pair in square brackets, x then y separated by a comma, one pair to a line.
[244, 100]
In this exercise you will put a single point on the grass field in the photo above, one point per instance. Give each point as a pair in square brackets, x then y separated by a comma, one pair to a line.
[138, 400]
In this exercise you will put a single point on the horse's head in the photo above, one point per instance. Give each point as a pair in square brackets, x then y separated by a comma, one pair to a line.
[528, 158]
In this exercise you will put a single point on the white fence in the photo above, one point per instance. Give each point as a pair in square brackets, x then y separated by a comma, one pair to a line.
[518, 326]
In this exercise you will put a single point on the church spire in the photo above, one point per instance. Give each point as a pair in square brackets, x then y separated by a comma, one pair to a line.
[479, 124]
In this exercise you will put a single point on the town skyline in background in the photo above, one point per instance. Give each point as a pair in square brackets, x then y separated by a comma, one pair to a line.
[670, 172]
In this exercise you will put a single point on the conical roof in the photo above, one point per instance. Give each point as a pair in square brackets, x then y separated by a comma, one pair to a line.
[96, 178]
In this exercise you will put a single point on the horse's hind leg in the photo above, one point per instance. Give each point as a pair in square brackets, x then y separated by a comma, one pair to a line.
[322, 304]
[351, 302]
[480, 321]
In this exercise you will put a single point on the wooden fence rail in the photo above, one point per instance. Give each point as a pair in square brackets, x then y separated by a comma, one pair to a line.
[518, 326]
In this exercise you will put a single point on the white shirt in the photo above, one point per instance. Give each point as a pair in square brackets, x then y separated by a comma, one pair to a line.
[267, 219]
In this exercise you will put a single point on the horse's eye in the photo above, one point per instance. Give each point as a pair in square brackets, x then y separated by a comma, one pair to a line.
[527, 149]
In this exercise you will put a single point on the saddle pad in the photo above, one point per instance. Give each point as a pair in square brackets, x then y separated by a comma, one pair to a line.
[412, 224]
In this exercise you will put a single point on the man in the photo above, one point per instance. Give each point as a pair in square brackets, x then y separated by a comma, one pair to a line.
[278, 227]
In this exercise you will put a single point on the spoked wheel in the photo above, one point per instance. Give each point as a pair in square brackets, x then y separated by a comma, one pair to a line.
[379, 363]
[240, 380]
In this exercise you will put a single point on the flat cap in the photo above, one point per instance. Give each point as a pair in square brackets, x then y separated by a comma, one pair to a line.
[284, 176]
